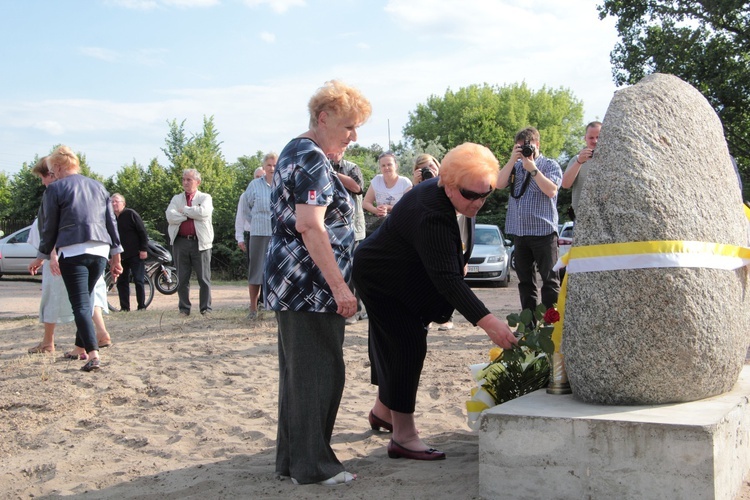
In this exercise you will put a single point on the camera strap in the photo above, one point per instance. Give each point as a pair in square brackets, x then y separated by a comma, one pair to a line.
[512, 184]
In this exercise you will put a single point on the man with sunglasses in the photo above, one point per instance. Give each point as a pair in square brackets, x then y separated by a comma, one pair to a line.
[532, 217]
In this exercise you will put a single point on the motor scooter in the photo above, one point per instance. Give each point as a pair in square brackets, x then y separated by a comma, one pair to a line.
[160, 267]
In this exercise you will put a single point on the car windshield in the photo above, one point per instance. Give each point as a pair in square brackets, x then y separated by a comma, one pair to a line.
[488, 237]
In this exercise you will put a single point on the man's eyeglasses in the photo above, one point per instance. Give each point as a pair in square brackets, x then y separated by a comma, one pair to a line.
[386, 153]
[473, 195]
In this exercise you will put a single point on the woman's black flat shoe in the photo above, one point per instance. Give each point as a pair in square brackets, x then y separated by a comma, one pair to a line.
[91, 366]
[377, 423]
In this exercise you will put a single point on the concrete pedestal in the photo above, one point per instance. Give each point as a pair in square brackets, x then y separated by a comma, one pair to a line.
[543, 446]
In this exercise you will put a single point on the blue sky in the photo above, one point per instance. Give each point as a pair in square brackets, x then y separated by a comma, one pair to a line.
[105, 76]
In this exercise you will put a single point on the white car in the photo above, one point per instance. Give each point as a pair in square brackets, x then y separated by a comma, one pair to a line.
[15, 253]
[565, 239]
[490, 258]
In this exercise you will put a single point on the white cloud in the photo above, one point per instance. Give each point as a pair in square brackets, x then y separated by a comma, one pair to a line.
[134, 4]
[188, 4]
[557, 44]
[99, 53]
[468, 42]
[278, 6]
[153, 4]
[267, 37]
[150, 57]
[50, 127]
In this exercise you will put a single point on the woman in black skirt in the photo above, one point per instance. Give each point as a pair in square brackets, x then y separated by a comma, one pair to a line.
[410, 272]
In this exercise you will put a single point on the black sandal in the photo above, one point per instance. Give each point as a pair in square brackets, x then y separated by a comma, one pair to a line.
[91, 366]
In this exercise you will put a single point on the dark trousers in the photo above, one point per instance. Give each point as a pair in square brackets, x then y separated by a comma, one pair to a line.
[80, 274]
[134, 265]
[537, 253]
[311, 382]
[188, 258]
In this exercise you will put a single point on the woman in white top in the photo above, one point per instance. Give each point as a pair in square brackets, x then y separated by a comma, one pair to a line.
[386, 188]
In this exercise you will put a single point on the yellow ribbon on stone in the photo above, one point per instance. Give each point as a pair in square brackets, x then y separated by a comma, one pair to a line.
[645, 255]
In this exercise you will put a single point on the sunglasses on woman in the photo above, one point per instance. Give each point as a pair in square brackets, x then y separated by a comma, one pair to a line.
[473, 195]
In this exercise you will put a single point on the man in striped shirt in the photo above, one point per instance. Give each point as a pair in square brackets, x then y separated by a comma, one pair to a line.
[532, 217]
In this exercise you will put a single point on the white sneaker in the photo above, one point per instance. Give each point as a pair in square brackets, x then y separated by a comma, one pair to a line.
[446, 326]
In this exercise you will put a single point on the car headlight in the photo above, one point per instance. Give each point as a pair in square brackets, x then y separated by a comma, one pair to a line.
[492, 259]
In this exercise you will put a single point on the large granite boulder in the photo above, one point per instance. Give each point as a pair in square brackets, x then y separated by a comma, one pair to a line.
[661, 171]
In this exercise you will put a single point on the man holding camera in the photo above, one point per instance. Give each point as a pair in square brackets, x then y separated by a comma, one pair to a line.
[532, 217]
[575, 173]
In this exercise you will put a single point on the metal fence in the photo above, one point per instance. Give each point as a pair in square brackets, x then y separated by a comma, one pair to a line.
[8, 226]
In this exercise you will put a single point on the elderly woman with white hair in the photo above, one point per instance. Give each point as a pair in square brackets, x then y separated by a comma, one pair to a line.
[307, 272]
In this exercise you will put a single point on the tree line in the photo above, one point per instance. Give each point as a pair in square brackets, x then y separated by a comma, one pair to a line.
[479, 113]
[486, 114]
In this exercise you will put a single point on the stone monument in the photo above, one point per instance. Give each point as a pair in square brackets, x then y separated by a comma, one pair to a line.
[661, 173]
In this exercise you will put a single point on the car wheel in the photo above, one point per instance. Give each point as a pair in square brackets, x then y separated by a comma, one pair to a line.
[505, 282]
[513, 260]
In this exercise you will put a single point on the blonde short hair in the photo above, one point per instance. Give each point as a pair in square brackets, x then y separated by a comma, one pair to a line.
[63, 159]
[423, 160]
[339, 99]
[470, 162]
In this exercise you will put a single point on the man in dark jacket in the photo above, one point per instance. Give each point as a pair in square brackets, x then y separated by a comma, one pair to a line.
[135, 244]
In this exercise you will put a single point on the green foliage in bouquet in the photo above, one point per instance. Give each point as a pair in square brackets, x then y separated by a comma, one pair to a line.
[537, 338]
[523, 368]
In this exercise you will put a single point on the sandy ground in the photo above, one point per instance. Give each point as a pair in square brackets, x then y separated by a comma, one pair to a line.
[186, 408]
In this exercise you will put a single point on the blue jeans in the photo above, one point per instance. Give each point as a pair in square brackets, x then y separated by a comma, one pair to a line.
[80, 274]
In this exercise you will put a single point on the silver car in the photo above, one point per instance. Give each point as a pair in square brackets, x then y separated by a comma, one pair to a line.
[15, 253]
[490, 259]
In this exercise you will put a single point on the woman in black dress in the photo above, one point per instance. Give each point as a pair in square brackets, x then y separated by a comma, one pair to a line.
[410, 272]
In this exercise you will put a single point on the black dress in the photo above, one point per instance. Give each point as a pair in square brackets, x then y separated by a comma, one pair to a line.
[409, 273]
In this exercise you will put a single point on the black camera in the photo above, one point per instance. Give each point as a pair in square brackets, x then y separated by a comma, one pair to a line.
[426, 173]
[528, 149]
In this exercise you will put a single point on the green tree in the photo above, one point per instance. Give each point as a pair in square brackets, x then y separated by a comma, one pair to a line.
[5, 196]
[26, 193]
[147, 191]
[407, 153]
[705, 43]
[154, 195]
[245, 167]
[491, 115]
[175, 143]
[202, 152]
